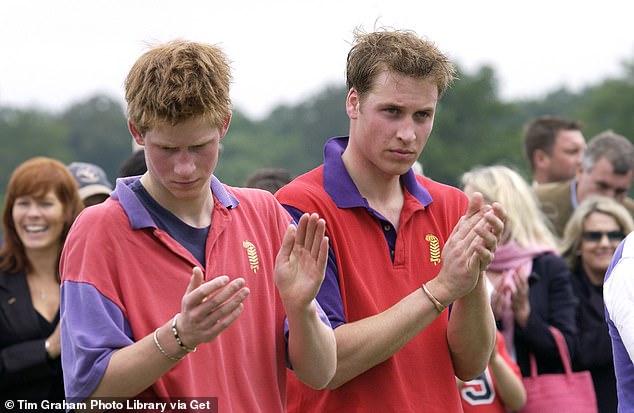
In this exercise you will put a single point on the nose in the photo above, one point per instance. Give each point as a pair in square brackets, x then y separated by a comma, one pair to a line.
[33, 209]
[184, 165]
[406, 131]
[604, 239]
[580, 158]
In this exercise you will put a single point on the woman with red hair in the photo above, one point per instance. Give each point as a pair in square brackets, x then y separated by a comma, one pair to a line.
[41, 203]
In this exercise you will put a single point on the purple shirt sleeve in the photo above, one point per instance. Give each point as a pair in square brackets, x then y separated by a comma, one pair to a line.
[92, 329]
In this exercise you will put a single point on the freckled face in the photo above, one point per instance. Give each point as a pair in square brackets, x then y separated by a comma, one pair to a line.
[39, 221]
[390, 128]
[180, 159]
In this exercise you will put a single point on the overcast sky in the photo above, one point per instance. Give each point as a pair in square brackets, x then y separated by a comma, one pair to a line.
[54, 53]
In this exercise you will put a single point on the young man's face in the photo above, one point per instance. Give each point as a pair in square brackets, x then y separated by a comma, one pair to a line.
[566, 155]
[180, 159]
[389, 130]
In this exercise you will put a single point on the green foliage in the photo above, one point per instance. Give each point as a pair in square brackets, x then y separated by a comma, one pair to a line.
[290, 137]
[472, 126]
[25, 134]
[98, 133]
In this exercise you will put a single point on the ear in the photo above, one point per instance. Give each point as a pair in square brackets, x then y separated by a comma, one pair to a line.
[540, 158]
[225, 126]
[353, 103]
[139, 139]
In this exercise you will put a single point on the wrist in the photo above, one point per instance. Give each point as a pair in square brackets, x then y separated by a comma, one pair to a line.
[178, 339]
[440, 307]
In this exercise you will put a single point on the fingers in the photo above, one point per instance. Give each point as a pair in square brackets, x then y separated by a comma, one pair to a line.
[489, 230]
[221, 310]
[216, 293]
[475, 204]
[322, 258]
[317, 236]
[210, 307]
[287, 242]
[197, 291]
[310, 232]
[195, 280]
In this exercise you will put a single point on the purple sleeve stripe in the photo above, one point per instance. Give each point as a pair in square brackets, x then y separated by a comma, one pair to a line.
[92, 329]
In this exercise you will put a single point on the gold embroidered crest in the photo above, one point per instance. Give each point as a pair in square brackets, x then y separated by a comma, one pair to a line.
[434, 248]
[253, 255]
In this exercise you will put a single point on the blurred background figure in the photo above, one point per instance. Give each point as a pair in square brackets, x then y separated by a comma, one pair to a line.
[269, 179]
[531, 281]
[590, 240]
[554, 147]
[134, 165]
[499, 389]
[94, 186]
[41, 203]
[607, 169]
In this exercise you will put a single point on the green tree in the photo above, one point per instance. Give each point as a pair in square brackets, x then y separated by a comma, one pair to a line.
[472, 126]
[25, 134]
[98, 133]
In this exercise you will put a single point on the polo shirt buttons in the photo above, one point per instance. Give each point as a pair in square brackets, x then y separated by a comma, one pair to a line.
[387, 227]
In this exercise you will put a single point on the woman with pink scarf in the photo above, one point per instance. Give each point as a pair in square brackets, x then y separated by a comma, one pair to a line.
[531, 282]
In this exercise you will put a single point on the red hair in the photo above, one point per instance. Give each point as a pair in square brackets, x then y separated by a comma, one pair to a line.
[36, 177]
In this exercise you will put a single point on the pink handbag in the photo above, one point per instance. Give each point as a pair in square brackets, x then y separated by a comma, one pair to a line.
[559, 393]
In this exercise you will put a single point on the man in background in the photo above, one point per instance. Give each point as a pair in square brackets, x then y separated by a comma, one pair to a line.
[607, 169]
[554, 147]
[94, 186]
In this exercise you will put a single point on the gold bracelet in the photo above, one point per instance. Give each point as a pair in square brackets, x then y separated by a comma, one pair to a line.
[178, 338]
[158, 345]
[439, 306]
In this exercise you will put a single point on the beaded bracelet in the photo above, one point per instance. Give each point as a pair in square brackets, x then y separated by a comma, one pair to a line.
[178, 338]
[439, 306]
[158, 345]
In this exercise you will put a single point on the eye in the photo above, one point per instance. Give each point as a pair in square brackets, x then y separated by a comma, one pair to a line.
[166, 148]
[423, 115]
[620, 190]
[199, 147]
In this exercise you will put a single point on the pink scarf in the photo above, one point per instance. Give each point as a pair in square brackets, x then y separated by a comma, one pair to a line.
[511, 259]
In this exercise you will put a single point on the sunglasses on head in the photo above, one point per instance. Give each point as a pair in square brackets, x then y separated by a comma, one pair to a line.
[596, 236]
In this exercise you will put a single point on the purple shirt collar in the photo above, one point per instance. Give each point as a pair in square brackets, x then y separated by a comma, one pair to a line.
[138, 215]
[341, 188]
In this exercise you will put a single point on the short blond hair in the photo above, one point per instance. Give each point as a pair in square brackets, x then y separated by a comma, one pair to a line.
[177, 81]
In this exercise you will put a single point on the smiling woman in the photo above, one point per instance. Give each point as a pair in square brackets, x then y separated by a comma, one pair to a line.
[591, 237]
[41, 203]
